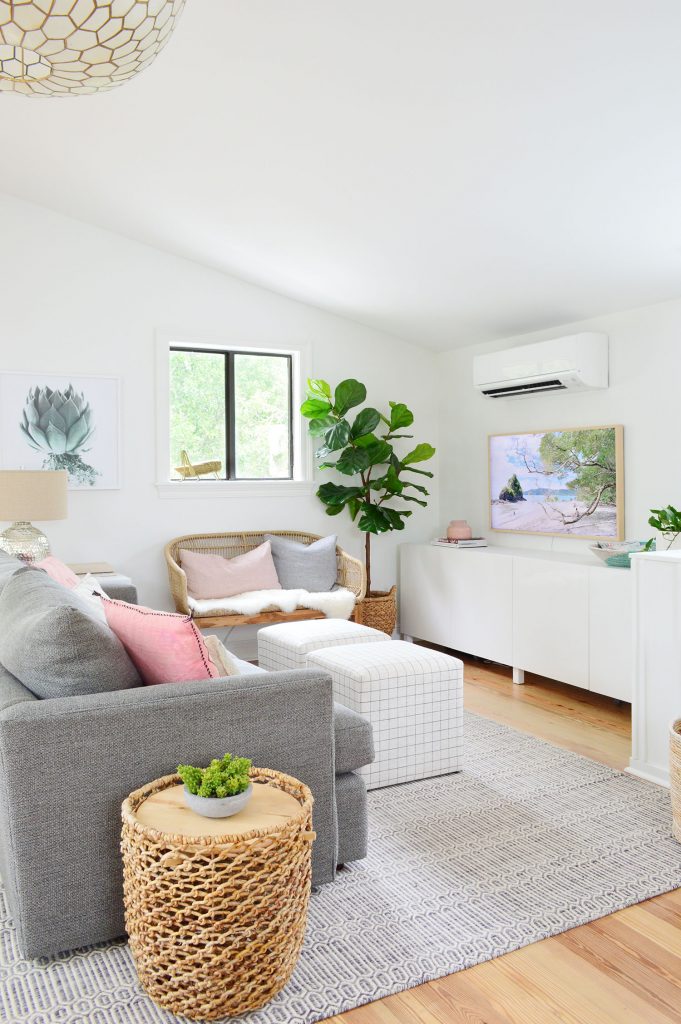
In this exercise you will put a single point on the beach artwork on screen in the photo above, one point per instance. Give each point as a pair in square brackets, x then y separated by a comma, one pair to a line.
[558, 482]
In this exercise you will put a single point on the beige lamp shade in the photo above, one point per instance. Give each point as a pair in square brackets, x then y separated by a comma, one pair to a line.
[27, 495]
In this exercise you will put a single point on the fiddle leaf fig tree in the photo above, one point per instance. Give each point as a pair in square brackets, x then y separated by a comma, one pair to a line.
[360, 447]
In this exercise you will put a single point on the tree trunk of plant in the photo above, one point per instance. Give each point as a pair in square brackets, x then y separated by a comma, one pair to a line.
[367, 560]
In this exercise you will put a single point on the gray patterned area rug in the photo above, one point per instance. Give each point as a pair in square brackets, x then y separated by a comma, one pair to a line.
[528, 841]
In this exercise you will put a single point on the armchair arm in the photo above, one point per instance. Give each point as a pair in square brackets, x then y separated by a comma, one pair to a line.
[177, 577]
[67, 764]
[352, 574]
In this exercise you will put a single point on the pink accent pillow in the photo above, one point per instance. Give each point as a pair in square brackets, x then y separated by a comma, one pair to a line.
[59, 572]
[210, 576]
[163, 646]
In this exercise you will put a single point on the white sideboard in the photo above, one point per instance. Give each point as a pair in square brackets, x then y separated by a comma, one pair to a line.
[564, 616]
[657, 675]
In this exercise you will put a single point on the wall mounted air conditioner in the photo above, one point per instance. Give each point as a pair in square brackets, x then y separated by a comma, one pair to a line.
[575, 363]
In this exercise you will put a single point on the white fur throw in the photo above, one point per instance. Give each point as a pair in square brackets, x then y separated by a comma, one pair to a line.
[336, 604]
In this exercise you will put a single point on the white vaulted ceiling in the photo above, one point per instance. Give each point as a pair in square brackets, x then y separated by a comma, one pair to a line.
[449, 171]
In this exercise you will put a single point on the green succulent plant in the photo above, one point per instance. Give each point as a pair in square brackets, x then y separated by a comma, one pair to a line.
[226, 776]
[368, 456]
[59, 424]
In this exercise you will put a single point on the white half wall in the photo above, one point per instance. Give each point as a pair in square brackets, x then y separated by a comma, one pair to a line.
[644, 396]
[75, 299]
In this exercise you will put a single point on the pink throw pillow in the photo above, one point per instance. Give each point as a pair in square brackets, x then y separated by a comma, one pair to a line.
[212, 576]
[59, 572]
[163, 646]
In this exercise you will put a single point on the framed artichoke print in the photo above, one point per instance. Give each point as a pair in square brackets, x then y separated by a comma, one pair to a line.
[50, 421]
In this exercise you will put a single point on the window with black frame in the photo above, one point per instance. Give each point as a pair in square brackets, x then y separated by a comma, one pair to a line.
[230, 415]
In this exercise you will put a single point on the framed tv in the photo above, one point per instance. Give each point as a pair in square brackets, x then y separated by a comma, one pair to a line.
[560, 483]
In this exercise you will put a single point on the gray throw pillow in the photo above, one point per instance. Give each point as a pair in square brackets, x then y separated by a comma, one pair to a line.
[52, 644]
[8, 566]
[305, 566]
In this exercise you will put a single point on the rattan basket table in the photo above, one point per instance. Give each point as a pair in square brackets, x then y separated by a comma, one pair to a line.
[216, 908]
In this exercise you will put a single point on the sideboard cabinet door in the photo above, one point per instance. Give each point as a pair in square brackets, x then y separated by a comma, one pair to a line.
[611, 647]
[425, 593]
[551, 619]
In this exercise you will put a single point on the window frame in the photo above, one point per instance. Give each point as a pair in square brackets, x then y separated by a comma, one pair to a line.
[230, 462]
[302, 482]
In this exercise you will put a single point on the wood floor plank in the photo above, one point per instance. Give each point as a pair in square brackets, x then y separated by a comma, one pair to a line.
[621, 969]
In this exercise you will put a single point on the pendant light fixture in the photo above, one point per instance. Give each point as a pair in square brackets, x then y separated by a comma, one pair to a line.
[67, 47]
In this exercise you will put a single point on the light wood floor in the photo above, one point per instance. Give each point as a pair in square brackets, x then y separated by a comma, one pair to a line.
[621, 969]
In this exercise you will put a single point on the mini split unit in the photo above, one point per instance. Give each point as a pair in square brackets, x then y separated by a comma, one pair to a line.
[575, 363]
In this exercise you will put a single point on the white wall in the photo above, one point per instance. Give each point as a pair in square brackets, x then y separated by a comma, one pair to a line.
[644, 395]
[76, 299]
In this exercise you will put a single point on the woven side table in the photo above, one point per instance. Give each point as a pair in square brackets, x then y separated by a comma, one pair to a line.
[216, 909]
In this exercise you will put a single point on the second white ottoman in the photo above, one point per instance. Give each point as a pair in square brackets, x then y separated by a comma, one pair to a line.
[413, 698]
[288, 644]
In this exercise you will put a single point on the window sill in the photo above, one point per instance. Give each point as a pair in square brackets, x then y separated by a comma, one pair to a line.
[199, 489]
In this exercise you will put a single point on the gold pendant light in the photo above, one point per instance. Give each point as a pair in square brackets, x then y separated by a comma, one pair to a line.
[67, 47]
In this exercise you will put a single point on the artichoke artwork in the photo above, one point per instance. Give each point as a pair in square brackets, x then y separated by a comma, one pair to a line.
[60, 423]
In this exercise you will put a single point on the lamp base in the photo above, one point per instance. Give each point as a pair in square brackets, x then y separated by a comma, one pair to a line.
[25, 541]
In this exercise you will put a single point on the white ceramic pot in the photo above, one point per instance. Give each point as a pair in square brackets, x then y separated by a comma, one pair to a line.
[216, 806]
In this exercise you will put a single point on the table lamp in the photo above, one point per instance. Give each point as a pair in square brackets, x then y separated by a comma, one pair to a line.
[25, 495]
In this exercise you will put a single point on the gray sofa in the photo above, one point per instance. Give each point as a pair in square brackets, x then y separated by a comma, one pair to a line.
[67, 763]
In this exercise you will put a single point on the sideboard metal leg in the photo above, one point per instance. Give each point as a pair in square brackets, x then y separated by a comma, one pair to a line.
[409, 639]
[518, 676]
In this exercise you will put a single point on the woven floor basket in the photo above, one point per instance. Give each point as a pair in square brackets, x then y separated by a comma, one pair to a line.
[675, 775]
[378, 611]
[216, 922]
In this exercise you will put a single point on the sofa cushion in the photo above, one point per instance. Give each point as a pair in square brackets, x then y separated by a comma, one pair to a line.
[212, 576]
[310, 567]
[163, 646]
[8, 566]
[354, 739]
[52, 644]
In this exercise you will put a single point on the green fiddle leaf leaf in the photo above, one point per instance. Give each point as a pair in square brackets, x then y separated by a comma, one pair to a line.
[373, 519]
[410, 497]
[337, 494]
[417, 487]
[421, 453]
[392, 481]
[349, 393]
[365, 440]
[379, 452]
[353, 506]
[394, 517]
[313, 408]
[353, 460]
[413, 469]
[320, 426]
[366, 422]
[319, 388]
[322, 452]
[334, 510]
[400, 416]
[338, 436]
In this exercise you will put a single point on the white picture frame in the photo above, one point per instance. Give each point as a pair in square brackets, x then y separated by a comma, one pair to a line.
[85, 440]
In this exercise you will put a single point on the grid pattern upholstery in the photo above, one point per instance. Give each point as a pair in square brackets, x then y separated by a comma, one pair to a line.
[288, 644]
[413, 698]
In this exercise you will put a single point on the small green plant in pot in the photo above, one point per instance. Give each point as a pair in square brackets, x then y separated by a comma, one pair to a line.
[668, 522]
[221, 789]
[362, 447]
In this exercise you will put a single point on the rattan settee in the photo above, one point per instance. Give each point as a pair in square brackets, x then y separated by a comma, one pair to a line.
[351, 573]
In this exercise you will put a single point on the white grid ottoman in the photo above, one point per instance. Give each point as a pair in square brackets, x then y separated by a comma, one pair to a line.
[413, 698]
[288, 644]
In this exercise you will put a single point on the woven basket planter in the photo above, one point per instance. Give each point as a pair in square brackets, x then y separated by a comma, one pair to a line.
[378, 610]
[216, 922]
[675, 775]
